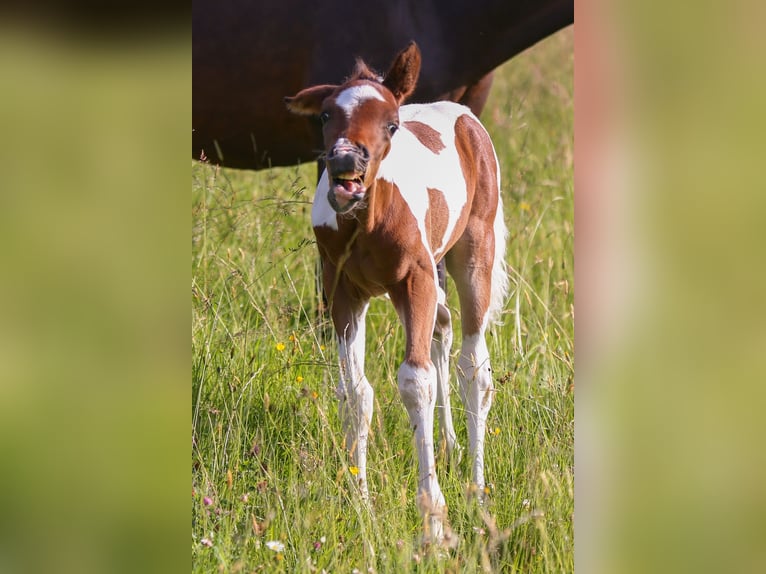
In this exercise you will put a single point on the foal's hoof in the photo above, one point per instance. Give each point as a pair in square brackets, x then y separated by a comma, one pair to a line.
[439, 537]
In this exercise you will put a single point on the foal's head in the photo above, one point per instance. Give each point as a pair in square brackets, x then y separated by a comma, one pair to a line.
[358, 118]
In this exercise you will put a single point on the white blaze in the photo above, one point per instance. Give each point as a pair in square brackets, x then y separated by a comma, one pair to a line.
[350, 98]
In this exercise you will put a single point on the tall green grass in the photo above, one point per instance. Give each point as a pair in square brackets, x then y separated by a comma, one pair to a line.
[271, 487]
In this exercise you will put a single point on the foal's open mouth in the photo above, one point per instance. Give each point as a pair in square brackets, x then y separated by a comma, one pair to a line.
[346, 190]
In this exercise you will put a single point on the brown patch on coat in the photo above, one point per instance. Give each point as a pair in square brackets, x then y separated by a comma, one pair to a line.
[426, 135]
[437, 217]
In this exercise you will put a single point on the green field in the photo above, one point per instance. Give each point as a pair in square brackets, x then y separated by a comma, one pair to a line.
[271, 487]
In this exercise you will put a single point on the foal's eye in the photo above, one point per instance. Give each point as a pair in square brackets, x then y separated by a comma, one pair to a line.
[324, 117]
[392, 127]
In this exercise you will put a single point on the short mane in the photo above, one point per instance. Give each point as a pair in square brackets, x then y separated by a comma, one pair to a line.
[363, 72]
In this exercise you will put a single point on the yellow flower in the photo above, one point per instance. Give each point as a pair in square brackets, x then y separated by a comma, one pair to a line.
[497, 431]
[280, 346]
[524, 206]
[353, 470]
[298, 379]
[314, 395]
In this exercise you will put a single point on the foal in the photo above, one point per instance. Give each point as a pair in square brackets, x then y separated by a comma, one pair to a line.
[406, 186]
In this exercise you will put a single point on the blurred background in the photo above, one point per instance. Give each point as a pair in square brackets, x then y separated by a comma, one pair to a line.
[670, 225]
[94, 317]
[669, 220]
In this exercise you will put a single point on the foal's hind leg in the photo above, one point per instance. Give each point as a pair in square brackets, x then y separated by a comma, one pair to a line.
[470, 265]
[441, 344]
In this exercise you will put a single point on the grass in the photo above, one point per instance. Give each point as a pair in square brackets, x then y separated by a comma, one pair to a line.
[271, 487]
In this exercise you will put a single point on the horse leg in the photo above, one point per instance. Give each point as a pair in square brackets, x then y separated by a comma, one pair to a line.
[476, 390]
[441, 345]
[471, 269]
[415, 302]
[355, 394]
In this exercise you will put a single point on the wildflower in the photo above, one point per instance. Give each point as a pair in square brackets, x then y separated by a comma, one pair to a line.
[275, 545]
[353, 470]
[206, 542]
[207, 501]
[314, 395]
[298, 379]
[280, 347]
[496, 431]
[524, 206]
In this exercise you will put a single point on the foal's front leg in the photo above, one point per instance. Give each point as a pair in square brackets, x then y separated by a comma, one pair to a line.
[415, 302]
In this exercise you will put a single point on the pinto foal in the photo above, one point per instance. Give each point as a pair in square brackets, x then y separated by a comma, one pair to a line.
[406, 186]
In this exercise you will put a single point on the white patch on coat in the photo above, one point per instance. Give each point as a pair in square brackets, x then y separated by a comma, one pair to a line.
[414, 168]
[351, 97]
[322, 213]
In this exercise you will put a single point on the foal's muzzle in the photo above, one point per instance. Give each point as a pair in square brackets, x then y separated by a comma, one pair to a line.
[346, 166]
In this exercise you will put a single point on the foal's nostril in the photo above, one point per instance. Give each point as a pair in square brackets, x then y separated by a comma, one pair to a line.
[345, 146]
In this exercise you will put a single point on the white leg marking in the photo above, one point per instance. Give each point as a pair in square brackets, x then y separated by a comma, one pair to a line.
[356, 396]
[417, 387]
[441, 344]
[476, 391]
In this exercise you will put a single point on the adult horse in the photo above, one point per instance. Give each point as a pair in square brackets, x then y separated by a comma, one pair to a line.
[247, 54]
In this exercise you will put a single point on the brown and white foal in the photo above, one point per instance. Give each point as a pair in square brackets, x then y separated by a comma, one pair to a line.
[406, 186]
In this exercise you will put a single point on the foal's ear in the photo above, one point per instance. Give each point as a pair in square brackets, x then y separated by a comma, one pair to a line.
[308, 102]
[403, 74]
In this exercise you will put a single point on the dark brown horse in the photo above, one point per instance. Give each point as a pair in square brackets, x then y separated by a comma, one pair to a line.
[247, 54]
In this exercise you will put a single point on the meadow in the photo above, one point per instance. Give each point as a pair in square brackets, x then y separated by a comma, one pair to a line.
[272, 489]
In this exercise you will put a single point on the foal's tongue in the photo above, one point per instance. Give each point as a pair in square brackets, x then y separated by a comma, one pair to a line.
[346, 189]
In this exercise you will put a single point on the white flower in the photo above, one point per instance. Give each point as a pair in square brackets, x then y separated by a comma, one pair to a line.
[275, 545]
